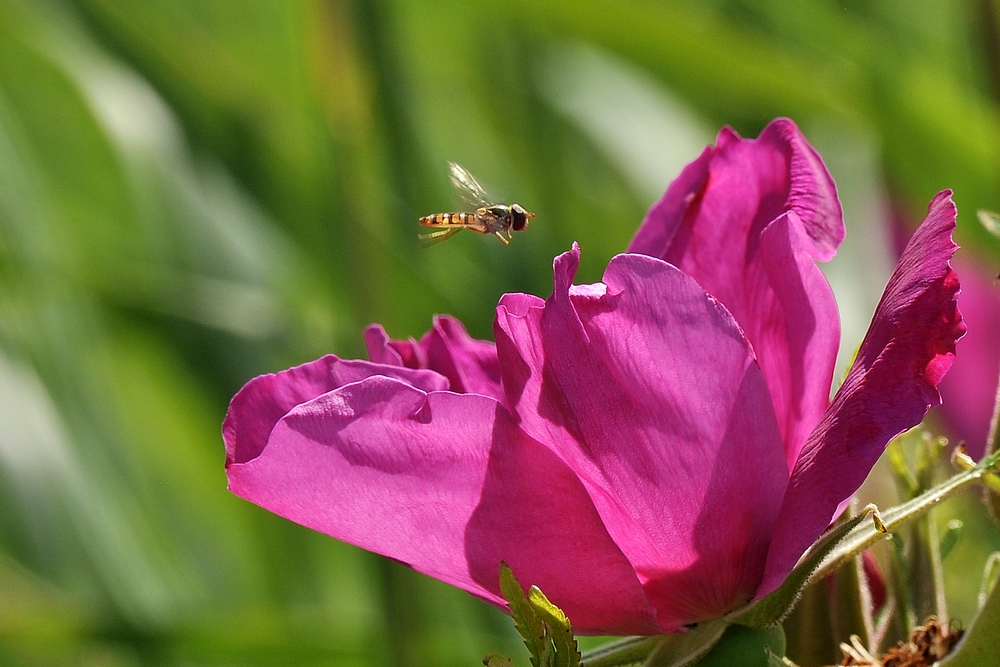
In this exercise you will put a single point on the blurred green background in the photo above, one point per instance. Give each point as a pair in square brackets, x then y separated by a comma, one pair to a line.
[196, 192]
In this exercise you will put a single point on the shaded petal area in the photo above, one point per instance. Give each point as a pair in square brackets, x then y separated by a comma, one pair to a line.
[893, 382]
[795, 330]
[647, 388]
[747, 221]
[448, 484]
[470, 365]
[263, 401]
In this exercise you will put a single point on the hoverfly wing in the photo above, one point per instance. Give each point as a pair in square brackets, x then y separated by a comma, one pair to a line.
[467, 188]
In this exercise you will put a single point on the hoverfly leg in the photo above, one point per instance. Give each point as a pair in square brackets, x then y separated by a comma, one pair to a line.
[433, 238]
[502, 239]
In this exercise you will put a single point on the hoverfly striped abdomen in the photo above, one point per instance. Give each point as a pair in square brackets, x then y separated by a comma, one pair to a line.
[447, 219]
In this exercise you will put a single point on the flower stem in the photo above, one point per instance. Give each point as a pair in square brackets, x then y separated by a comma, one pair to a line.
[993, 439]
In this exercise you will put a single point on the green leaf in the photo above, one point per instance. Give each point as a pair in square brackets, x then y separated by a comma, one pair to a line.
[896, 453]
[949, 539]
[674, 650]
[829, 610]
[991, 572]
[979, 645]
[741, 646]
[903, 618]
[808, 634]
[567, 653]
[526, 620]
[545, 628]
[497, 660]
[926, 571]
[627, 651]
[683, 649]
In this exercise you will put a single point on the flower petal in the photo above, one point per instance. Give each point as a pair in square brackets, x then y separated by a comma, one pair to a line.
[744, 185]
[969, 389]
[470, 365]
[715, 224]
[795, 331]
[381, 350]
[647, 388]
[448, 484]
[264, 400]
[893, 382]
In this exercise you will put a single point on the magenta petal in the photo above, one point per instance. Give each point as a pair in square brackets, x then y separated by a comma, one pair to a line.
[715, 224]
[969, 389]
[470, 365]
[259, 405]
[450, 485]
[383, 350]
[380, 349]
[893, 382]
[647, 388]
[795, 331]
[738, 188]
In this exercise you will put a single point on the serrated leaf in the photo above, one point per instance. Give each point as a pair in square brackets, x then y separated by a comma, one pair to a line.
[526, 620]
[567, 652]
[509, 586]
[773, 607]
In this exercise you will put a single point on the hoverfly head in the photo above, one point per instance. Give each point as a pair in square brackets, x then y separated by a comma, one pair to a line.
[519, 217]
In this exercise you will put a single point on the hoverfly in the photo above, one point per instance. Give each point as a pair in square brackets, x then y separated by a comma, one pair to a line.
[486, 218]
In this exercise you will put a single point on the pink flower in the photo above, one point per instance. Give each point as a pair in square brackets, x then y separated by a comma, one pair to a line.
[970, 388]
[652, 450]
